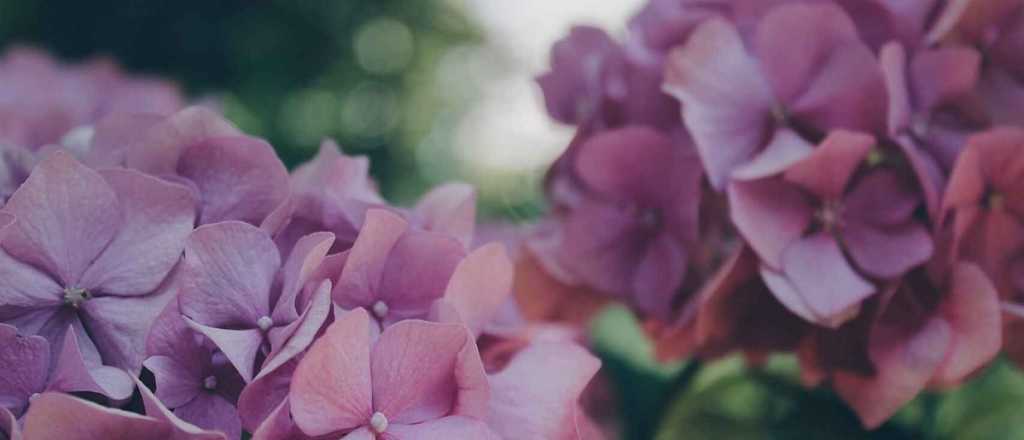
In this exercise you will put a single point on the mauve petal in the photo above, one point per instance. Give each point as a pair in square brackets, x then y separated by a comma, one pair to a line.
[449, 209]
[67, 214]
[240, 346]
[601, 245]
[529, 404]
[882, 198]
[586, 68]
[214, 413]
[784, 149]
[9, 426]
[930, 176]
[835, 81]
[968, 308]
[331, 389]
[180, 429]
[166, 141]
[967, 181]
[726, 101]
[417, 272]
[239, 178]
[444, 428]
[892, 58]
[887, 251]
[259, 399]
[770, 214]
[119, 325]
[156, 217]
[904, 364]
[280, 426]
[60, 416]
[115, 135]
[827, 171]
[822, 288]
[941, 75]
[412, 362]
[658, 276]
[25, 286]
[228, 272]
[360, 434]
[629, 163]
[360, 280]
[25, 362]
[307, 255]
[301, 332]
[73, 374]
[480, 285]
[176, 385]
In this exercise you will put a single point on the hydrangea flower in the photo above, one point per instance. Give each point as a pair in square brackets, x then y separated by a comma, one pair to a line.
[415, 380]
[749, 104]
[91, 250]
[229, 293]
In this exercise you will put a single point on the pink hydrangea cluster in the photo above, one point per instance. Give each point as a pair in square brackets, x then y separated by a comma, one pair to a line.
[143, 241]
[833, 178]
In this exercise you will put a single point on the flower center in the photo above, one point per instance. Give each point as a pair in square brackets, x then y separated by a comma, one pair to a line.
[75, 296]
[996, 201]
[378, 422]
[649, 218]
[380, 310]
[875, 157]
[829, 215]
[210, 383]
[265, 323]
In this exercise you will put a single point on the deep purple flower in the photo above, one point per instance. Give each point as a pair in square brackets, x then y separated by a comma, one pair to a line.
[236, 291]
[628, 234]
[839, 201]
[750, 104]
[91, 249]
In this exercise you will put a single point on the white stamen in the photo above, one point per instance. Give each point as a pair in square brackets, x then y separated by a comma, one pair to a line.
[265, 323]
[34, 396]
[210, 383]
[380, 309]
[378, 422]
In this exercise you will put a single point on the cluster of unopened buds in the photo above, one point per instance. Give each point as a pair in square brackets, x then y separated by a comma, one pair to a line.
[164, 276]
[838, 179]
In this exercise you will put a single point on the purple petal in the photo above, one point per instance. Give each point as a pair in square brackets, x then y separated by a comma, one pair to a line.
[301, 332]
[887, 252]
[229, 269]
[770, 214]
[180, 429]
[156, 217]
[212, 412]
[361, 277]
[240, 346]
[417, 272]
[25, 286]
[785, 148]
[658, 275]
[882, 198]
[726, 101]
[331, 389]
[302, 262]
[73, 374]
[827, 171]
[67, 214]
[239, 178]
[176, 383]
[942, 75]
[25, 361]
[165, 141]
[629, 163]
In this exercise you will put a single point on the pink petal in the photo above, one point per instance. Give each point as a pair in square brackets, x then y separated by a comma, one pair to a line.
[229, 269]
[627, 164]
[156, 218]
[480, 285]
[727, 103]
[67, 214]
[301, 332]
[904, 364]
[413, 364]
[449, 209]
[260, 398]
[976, 338]
[239, 346]
[331, 389]
[115, 135]
[361, 277]
[827, 171]
[417, 272]
[893, 60]
[445, 428]
[944, 74]
[770, 214]
[528, 404]
[280, 426]
[166, 140]
[239, 178]
[61, 416]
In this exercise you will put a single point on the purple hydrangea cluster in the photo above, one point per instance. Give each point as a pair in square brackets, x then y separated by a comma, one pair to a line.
[832, 178]
[140, 240]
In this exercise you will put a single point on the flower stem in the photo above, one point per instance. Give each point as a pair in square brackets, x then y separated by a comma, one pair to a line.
[679, 385]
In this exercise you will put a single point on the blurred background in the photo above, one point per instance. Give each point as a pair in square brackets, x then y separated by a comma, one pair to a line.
[438, 90]
[431, 90]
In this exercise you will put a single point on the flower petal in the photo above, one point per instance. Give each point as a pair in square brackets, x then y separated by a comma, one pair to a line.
[25, 361]
[480, 285]
[444, 428]
[360, 279]
[331, 389]
[73, 374]
[61, 416]
[784, 149]
[417, 272]
[67, 214]
[181, 430]
[887, 252]
[971, 303]
[118, 326]
[827, 171]
[770, 214]
[239, 346]
[449, 209]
